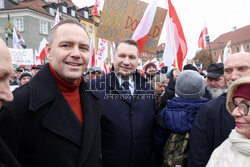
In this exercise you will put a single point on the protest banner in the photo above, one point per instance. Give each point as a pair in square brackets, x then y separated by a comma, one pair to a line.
[22, 56]
[121, 17]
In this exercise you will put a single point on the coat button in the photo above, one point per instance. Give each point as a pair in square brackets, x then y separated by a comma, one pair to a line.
[100, 156]
[134, 141]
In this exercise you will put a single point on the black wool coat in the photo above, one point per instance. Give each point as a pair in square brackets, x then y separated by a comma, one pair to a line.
[41, 129]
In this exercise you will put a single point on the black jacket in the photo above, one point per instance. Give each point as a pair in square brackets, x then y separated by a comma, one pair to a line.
[41, 129]
[212, 126]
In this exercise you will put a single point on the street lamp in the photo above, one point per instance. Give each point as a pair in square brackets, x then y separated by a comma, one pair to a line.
[208, 41]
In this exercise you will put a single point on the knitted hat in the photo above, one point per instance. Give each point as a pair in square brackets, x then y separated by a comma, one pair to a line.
[189, 85]
[25, 74]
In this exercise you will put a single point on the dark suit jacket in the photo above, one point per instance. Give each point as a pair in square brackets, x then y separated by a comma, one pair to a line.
[126, 127]
[41, 129]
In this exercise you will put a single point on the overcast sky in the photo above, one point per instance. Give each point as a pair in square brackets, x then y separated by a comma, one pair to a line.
[221, 16]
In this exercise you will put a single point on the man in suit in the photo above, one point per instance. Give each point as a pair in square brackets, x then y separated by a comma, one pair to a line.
[53, 120]
[128, 111]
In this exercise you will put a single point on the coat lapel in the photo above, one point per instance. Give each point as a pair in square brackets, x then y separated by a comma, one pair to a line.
[60, 118]
[62, 121]
[91, 120]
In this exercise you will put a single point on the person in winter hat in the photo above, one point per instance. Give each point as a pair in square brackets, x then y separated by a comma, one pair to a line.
[180, 112]
[235, 151]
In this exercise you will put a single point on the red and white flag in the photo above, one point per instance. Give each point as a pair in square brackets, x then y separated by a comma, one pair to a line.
[92, 62]
[176, 45]
[57, 18]
[96, 8]
[38, 60]
[141, 32]
[202, 38]
[42, 50]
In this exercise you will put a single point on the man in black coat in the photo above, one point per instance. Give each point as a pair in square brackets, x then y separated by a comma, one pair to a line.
[54, 120]
[213, 123]
[128, 111]
[6, 156]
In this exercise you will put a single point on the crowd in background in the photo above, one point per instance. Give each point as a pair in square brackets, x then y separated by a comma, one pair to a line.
[64, 116]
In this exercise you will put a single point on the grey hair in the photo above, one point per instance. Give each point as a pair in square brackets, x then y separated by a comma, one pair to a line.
[158, 78]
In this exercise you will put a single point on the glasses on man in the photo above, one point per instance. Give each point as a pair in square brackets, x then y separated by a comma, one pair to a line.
[243, 108]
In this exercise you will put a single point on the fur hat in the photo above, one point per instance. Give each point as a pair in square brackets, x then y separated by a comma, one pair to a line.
[189, 85]
[233, 88]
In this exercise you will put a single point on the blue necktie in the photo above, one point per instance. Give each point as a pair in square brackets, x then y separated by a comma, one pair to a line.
[127, 92]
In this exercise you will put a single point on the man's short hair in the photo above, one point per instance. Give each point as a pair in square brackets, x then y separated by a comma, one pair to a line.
[62, 22]
[127, 41]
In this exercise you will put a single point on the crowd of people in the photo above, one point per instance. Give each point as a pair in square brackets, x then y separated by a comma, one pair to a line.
[61, 115]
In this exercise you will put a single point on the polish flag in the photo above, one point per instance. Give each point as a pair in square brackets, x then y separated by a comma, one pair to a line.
[176, 46]
[202, 38]
[57, 18]
[42, 50]
[141, 32]
[38, 60]
[92, 60]
[96, 8]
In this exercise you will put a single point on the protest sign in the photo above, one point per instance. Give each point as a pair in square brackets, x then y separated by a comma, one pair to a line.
[121, 17]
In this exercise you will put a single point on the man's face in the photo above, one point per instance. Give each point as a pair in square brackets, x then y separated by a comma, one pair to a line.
[18, 74]
[6, 70]
[69, 52]
[236, 66]
[151, 70]
[33, 72]
[125, 59]
[160, 87]
[25, 80]
[217, 83]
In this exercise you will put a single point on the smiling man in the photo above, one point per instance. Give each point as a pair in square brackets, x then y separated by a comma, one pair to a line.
[53, 120]
[128, 111]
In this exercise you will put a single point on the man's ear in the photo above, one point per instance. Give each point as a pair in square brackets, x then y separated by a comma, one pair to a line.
[48, 50]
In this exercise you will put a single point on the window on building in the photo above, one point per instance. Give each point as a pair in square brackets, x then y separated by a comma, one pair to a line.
[1, 4]
[73, 13]
[222, 51]
[52, 11]
[214, 53]
[85, 14]
[18, 21]
[237, 48]
[43, 27]
[248, 46]
[64, 9]
[90, 29]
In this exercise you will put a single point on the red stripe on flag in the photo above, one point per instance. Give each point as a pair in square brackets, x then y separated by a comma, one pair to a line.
[141, 42]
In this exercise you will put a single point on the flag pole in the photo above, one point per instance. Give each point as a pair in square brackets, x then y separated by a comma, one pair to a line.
[173, 38]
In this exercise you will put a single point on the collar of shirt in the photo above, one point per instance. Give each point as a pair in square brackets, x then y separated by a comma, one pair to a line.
[131, 83]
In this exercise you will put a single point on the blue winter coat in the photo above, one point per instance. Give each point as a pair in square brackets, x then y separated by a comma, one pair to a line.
[178, 116]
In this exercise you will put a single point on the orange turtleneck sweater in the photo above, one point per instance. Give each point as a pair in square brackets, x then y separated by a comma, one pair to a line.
[70, 92]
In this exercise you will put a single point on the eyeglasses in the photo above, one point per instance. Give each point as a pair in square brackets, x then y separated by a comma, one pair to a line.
[243, 108]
